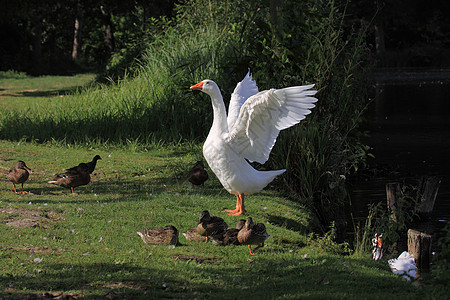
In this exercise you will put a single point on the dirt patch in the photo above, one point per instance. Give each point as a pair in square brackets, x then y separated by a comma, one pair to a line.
[27, 218]
[197, 259]
[40, 296]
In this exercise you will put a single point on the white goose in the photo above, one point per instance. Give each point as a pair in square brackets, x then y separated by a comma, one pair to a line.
[249, 132]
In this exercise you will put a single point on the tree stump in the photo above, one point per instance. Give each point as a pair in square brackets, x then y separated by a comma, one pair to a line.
[426, 194]
[419, 245]
[393, 199]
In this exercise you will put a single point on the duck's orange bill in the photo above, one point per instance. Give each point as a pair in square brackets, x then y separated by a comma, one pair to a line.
[198, 86]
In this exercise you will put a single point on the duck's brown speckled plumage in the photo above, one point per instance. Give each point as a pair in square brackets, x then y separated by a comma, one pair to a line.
[192, 235]
[18, 175]
[160, 236]
[210, 225]
[252, 234]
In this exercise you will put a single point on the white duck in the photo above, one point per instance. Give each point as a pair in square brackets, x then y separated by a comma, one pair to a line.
[404, 265]
[249, 132]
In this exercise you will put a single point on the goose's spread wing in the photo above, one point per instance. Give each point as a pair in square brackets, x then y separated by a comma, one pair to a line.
[262, 117]
[244, 89]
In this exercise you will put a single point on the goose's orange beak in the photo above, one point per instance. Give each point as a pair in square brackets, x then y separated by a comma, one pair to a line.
[198, 86]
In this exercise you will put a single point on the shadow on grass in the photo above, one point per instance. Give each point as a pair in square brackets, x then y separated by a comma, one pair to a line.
[287, 223]
[49, 93]
[263, 277]
[95, 279]
[119, 190]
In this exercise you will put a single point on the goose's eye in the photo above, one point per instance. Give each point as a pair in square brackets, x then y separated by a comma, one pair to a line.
[207, 82]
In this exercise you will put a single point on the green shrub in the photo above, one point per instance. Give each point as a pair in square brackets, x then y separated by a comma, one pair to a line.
[12, 74]
[440, 272]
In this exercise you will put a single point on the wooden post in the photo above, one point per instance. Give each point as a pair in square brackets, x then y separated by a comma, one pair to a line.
[392, 195]
[419, 245]
[426, 194]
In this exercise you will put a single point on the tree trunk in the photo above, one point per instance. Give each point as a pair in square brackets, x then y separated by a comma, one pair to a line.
[77, 33]
[107, 26]
[393, 202]
[427, 193]
[380, 46]
[419, 245]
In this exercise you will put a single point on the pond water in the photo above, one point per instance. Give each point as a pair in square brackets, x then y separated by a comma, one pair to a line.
[409, 126]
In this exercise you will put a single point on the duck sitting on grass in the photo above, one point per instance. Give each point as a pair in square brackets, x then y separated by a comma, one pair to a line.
[252, 234]
[230, 236]
[192, 235]
[73, 177]
[210, 225]
[160, 236]
[19, 174]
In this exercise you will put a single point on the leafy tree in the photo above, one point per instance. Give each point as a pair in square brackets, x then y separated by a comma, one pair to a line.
[49, 36]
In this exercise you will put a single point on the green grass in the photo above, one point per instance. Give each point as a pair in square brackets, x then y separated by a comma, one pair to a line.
[86, 244]
[20, 92]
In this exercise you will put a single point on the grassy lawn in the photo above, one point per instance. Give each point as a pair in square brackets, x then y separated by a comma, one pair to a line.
[86, 244]
[18, 91]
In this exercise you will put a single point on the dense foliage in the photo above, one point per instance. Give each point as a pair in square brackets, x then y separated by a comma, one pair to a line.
[38, 36]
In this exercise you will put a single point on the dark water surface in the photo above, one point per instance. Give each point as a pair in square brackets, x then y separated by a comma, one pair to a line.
[409, 125]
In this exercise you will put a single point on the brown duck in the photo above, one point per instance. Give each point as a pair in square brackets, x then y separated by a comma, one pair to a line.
[160, 236]
[198, 175]
[19, 174]
[73, 177]
[252, 234]
[192, 235]
[230, 236]
[210, 225]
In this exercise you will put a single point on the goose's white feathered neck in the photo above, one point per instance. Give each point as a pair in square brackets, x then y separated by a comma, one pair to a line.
[220, 125]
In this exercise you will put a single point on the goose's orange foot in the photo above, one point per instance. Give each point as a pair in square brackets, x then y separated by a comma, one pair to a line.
[250, 250]
[236, 213]
[231, 210]
[240, 208]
